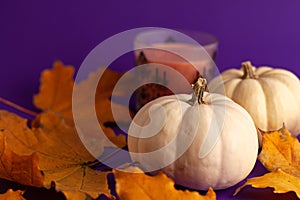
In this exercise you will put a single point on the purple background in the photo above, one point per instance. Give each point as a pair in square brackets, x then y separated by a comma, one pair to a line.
[36, 33]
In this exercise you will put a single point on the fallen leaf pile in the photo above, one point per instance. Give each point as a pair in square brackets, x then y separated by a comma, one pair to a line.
[50, 150]
[280, 155]
[47, 151]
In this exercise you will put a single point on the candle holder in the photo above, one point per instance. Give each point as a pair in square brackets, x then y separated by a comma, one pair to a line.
[165, 53]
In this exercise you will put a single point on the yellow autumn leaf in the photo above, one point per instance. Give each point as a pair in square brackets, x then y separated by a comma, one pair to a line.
[279, 155]
[137, 185]
[280, 150]
[61, 154]
[73, 195]
[12, 195]
[278, 179]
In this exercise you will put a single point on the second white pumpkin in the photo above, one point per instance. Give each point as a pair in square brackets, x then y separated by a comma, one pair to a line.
[270, 95]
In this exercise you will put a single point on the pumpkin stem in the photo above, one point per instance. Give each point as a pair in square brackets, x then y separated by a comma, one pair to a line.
[248, 70]
[199, 88]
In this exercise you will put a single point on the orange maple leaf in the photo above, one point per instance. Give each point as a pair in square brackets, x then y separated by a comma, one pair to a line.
[56, 90]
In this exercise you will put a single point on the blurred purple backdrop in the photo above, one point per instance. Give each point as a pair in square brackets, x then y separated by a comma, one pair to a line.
[36, 33]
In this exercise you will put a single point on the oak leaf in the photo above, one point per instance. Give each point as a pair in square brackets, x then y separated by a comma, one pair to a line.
[279, 180]
[280, 150]
[137, 185]
[12, 195]
[62, 156]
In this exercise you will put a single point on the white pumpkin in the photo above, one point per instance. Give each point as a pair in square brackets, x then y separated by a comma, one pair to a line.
[200, 142]
[271, 96]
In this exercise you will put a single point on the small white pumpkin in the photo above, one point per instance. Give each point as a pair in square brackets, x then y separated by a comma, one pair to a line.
[270, 95]
[200, 142]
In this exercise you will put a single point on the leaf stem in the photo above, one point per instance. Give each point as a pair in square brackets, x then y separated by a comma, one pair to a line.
[17, 107]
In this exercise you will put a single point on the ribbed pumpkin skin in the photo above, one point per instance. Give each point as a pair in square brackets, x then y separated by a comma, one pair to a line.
[272, 98]
[232, 157]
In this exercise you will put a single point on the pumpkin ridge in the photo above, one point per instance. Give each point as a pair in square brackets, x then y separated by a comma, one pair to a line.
[230, 81]
[264, 73]
[222, 152]
[235, 98]
[281, 72]
[281, 76]
[246, 116]
[285, 84]
[270, 102]
[153, 103]
[179, 130]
